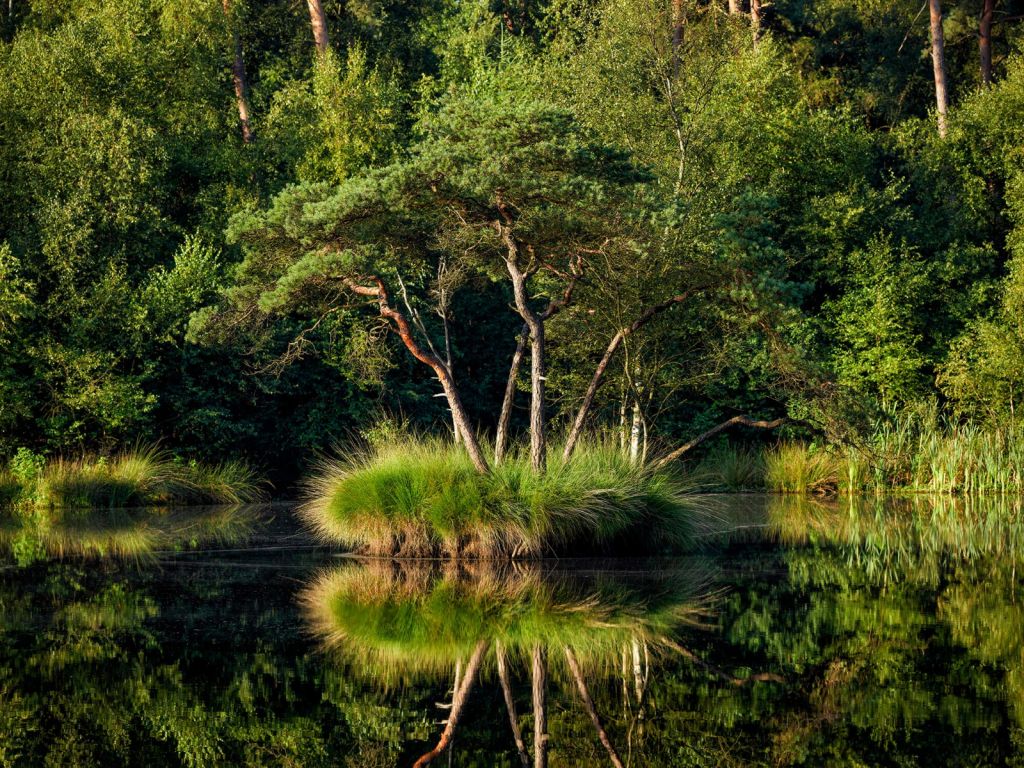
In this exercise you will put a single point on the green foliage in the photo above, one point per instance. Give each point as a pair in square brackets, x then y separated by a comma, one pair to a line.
[415, 496]
[797, 468]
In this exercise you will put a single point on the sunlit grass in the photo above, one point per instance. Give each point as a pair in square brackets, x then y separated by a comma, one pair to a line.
[797, 468]
[138, 477]
[422, 496]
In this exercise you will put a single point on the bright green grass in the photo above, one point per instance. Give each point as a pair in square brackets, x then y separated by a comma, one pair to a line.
[420, 496]
[137, 477]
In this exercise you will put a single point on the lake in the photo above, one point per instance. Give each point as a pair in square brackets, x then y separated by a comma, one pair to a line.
[850, 633]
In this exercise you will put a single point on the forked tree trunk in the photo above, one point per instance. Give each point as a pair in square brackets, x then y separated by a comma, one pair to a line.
[939, 64]
[535, 322]
[588, 704]
[459, 698]
[510, 706]
[318, 20]
[540, 714]
[985, 41]
[238, 77]
[459, 416]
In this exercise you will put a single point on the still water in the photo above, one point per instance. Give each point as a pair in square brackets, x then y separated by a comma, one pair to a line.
[800, 633]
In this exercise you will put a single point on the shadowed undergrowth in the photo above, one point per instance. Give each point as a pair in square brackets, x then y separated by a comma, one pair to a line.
[421, 496]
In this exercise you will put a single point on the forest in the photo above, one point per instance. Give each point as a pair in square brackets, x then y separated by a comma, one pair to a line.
[259, 231]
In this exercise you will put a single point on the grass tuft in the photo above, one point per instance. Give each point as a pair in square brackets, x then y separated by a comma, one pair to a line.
[421, 496]
[143, 476]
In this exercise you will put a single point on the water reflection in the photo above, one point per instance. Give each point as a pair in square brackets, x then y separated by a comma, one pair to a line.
[121, 533]
[820, 635]
[405, 621]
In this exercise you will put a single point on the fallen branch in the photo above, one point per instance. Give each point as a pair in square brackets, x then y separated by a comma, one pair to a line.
[744, 420]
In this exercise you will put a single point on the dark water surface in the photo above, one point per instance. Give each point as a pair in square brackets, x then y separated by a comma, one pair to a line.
[802, 633]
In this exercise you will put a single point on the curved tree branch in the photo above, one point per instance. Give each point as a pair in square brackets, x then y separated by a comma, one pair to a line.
[744, 420]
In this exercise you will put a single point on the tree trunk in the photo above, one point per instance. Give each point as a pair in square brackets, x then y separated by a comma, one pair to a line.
[634, 434]
[939, 64]
[459, 699]
[540, 716]
[588, 704]
[534, 321]
[459, 416]
[678, 23]
[755, 20]
[735, 7]
[510, 706]
[595, 381]
[501, 437]
[744, 420]
[985, 41]
[319, 23]
[238, 77]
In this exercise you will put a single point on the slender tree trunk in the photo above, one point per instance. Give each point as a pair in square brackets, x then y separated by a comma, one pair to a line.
[588, 704]
[735, 7]
[678, 24]
[939, 64]
[459, 416]
[501, 437]
[510, 706]
[238, 77]
[634, 434]
[755, 20]
[459, 699]
[319, 22]
[985, 41]
[534, 321]
[595, 381]
[540, 715]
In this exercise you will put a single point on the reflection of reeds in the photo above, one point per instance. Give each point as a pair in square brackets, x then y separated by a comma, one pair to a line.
[419, 496]
[137, 477]
[901, 536]
[127, 533]
[393, 617]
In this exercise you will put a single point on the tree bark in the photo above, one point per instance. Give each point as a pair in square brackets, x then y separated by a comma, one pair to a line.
[678, 24]
[744, 420]
[939, 64]
[595, 381]
[510, 706]
[735, 7]
[755, 20]
[459, 698]
[588, 704]
[985, 41]
[238, 77]
[318, 20]
[444, 375]
[501, 437]
[540, 716]
[535, 322]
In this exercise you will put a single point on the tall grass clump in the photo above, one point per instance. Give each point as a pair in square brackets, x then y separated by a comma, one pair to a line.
[918, 451]
[799, 468]
[731, 468]
[420, 496]
[137, 477]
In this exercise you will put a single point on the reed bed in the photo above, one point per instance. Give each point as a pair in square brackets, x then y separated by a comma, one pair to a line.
[144, 476]
[421, 496]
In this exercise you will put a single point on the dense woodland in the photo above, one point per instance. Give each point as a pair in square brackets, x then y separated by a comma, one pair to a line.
[224, 226]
